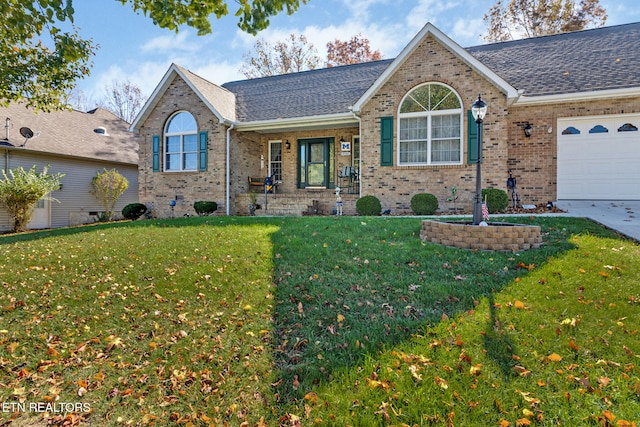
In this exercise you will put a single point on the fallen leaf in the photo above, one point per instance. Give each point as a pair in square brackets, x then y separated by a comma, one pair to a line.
[522, 371]
[311, 397]
[554, 357]
[295, 383]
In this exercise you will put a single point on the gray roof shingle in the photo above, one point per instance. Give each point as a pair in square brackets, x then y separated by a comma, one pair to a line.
[308, 93]
[581, 61]
[71, 133]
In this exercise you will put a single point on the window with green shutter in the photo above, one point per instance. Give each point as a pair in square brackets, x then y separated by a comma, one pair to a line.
[181, 143]
[386, 141]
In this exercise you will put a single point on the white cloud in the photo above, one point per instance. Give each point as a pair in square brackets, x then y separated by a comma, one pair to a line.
[468, 32]
[182, 42]
[429, 11]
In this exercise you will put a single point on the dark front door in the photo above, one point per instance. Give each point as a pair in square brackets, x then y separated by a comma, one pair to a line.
[316, 163]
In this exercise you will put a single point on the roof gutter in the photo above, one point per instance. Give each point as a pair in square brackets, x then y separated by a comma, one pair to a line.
[578, 97]
[327, 120]
[228, 167]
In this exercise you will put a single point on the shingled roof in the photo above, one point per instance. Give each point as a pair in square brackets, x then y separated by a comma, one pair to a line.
[308, 93]
[582, 61]
[71, 133]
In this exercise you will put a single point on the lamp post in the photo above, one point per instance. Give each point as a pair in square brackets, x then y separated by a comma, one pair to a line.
[478, 109]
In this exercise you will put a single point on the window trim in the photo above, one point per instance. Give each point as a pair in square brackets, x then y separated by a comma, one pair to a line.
[273, 162]
[428, 115]
[182, 152]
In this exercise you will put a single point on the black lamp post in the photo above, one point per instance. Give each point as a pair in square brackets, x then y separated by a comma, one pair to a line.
[478, 109]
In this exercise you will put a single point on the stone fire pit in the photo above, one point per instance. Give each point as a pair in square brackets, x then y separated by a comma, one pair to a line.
[497, 236]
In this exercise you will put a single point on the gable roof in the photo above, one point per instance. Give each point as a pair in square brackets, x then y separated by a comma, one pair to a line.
[70, 133]
[587, 61]
[221, 102]
[430, 30]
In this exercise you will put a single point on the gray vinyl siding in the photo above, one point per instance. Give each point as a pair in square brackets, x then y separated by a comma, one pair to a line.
[75, 199]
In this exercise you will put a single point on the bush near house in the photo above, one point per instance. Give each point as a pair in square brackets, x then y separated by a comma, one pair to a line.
[497, 200]
[205, 208]
[20, 190]
[107, 187]
[134, 211]
[368, 206]
[424, 204]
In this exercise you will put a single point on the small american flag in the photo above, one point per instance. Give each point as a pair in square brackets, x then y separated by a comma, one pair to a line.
[485, 211]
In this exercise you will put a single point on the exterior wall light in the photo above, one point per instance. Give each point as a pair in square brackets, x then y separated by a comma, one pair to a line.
[527, 130]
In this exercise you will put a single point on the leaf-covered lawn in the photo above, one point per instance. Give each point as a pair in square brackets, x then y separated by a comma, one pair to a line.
[304, 321]
[142, 325]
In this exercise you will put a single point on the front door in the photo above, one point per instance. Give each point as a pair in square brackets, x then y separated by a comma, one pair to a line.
[316, 163]
[41, 216]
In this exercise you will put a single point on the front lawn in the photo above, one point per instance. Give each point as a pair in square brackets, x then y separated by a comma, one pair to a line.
[328, 321]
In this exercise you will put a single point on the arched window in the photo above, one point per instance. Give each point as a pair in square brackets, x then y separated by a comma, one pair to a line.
[430, 126]
[181, 143]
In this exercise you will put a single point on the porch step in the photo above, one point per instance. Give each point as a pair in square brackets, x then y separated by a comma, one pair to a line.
[295, 204]
[277, 212]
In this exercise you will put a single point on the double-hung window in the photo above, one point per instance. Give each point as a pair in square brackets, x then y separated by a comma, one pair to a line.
[430, 126]
[181, 143]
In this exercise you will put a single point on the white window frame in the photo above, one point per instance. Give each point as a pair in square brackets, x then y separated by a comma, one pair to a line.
[428, 115]
[272, 161]
[182, 152]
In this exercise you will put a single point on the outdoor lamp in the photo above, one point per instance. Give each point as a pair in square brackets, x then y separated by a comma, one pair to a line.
[478, 109]
[527, 130]
[287, 144]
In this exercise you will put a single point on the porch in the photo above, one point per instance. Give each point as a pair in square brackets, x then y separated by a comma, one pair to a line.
[309, 202]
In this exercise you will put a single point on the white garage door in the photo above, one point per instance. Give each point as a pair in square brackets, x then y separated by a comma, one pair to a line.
[599, 158]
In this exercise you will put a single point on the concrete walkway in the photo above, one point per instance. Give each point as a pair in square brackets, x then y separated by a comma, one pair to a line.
[622, 216]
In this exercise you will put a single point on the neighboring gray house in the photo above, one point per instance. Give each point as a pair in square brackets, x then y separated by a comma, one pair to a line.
[74, 143]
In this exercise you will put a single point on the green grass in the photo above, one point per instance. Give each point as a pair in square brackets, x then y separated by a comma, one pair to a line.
[334, 321]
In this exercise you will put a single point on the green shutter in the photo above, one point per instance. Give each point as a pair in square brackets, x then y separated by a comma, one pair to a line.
[203, 152]
[155, 159]
[386, 141]
[472, 139]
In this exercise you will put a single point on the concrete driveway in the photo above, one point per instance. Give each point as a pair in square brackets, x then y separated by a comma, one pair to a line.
[622, 216]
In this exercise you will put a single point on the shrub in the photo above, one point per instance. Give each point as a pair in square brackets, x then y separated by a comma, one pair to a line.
[205, 208]
[424, 204]
[368, 206]
[21, 190]
[497, 199]
[108, 186]
[134, 211]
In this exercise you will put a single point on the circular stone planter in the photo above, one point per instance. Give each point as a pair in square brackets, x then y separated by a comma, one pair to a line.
[496, 236]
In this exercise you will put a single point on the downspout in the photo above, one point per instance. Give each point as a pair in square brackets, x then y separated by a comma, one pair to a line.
[356, 115]
[227, 169]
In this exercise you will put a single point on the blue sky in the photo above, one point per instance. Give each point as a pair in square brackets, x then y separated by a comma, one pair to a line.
[132, 48]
